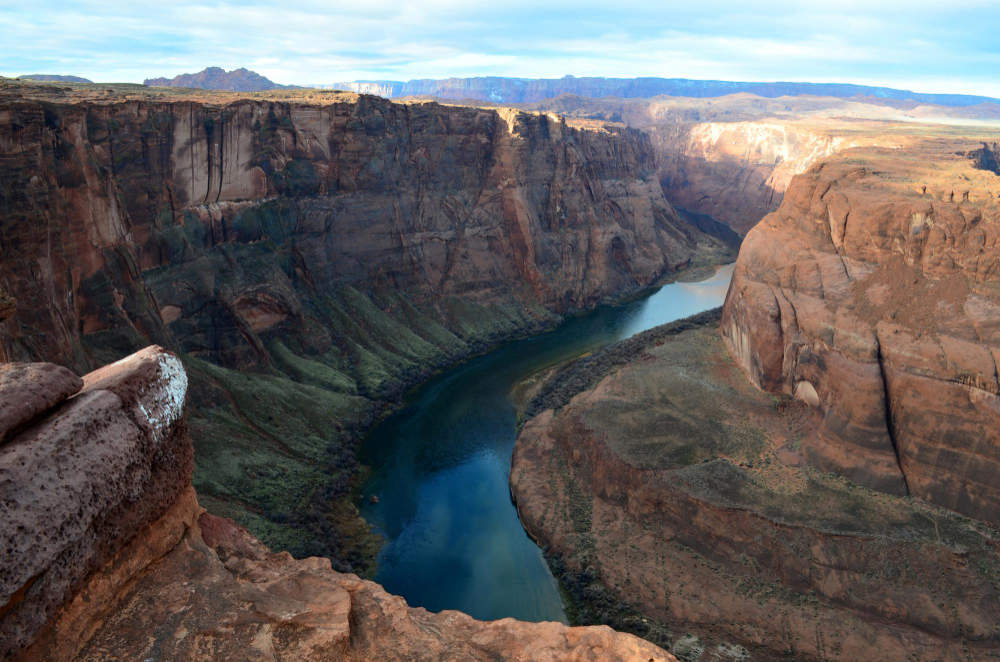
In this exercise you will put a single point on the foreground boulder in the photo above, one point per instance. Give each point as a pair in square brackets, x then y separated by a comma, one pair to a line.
[83, 478]
[105, 553]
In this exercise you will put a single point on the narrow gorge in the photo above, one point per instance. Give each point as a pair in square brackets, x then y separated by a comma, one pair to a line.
[310, 258]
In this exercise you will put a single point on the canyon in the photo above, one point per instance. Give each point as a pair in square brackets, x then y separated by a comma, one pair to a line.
[807, 471]
[309, 257]
[733, 157]
[811, 470]
[106, 554]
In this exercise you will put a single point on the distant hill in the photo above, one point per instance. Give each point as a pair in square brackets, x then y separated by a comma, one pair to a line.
[52, 78]
[217, 78]
[530, 90]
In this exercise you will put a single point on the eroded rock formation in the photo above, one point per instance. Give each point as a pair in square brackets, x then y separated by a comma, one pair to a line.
[871, 294]
[676, 502]
[106, 555]
[816, 476]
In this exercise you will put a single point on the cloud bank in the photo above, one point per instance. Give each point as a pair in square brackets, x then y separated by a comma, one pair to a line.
[917, 44]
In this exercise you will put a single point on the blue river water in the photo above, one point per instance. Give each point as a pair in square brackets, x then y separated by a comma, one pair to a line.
[441, 466]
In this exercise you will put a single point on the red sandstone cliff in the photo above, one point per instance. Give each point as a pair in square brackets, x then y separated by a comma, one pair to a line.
[245, 210]
[105, 554]
[817, 476]
[309, 255]
[871, 294]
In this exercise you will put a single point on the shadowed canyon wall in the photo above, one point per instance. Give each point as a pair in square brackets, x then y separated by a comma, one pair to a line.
[310, 261]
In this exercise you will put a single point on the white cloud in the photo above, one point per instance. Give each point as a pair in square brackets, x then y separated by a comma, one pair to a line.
[922, 44]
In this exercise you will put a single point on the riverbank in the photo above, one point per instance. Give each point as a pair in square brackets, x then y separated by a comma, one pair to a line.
[440, 467]
[673, 502]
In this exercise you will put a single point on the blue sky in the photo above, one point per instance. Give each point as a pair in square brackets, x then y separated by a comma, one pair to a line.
[925, 46]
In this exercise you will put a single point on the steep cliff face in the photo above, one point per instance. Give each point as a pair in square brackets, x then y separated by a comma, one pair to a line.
[737, 172]
[733, 157]
[871, 294]
[309, 261]
[106, 554]
[433, 201]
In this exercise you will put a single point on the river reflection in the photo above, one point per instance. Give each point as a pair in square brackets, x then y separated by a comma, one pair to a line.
[440, 467]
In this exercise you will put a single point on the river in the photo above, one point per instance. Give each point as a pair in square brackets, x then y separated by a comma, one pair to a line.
[441, 465]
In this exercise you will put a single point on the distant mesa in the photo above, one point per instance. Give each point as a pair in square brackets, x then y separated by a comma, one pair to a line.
[217, 78]
[53, 78]
[531, 90]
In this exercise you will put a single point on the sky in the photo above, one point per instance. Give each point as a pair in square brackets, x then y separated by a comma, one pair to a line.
[945, 47]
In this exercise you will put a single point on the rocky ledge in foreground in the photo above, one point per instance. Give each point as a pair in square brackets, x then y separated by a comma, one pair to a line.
[106, 555]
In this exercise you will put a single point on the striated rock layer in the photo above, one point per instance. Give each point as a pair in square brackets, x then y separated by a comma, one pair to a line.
[309, 255]
[106, 554]
[872, 294]
[147, 218]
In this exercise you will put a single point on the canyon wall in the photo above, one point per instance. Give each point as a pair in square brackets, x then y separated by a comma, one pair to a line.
[871, 294]
[732, 157]
[736, 172]
[309, 260]
[106, 554]
[432, 201]
[812, 472]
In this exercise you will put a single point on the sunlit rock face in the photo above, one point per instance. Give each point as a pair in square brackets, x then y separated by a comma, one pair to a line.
[871, 293]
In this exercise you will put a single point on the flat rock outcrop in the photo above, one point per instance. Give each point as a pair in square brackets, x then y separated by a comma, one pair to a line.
[105, 554]
[83, 478]
[871, 294]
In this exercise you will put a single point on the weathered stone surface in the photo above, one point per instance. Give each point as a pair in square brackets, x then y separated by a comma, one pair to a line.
[872, 294]
[106, 555]
[30, 389]
[239, 601]
[82, 482]
[73, 624]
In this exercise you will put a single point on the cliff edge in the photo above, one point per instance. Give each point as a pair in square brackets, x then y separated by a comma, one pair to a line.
[106, 555]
